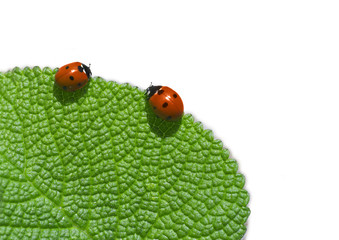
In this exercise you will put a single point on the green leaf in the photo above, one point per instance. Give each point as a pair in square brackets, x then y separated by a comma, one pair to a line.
[98, 164]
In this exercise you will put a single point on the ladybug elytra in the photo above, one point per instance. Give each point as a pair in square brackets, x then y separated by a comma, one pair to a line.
[165, 102]
[73, 76]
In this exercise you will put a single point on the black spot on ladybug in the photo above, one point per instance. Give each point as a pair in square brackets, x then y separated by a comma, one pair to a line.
[67, 67]
[175, 96]
[79, 84]
[160, 92]
[80, 69]
[64, 87]
[165, 104]
[169, 117]
[71, 77]
[154, 107]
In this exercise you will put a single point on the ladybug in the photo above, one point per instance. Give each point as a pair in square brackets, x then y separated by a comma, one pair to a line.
[165, 102]
[72, 76]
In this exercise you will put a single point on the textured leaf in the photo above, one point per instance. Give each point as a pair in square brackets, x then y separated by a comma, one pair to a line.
[98, 164]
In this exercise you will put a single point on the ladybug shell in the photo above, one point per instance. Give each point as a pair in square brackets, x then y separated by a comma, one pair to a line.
[165, 102]
[72, 76]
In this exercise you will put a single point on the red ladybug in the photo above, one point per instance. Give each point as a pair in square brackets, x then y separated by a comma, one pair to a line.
[165, 102]
[72, 76]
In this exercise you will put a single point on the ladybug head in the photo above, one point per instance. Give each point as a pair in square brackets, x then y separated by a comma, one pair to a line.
[87, 70]
[151, 90]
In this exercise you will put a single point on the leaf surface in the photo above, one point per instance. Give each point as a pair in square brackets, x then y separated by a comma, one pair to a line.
[98, 164]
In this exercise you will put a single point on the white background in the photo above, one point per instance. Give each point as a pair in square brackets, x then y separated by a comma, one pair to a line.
[263, 75]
